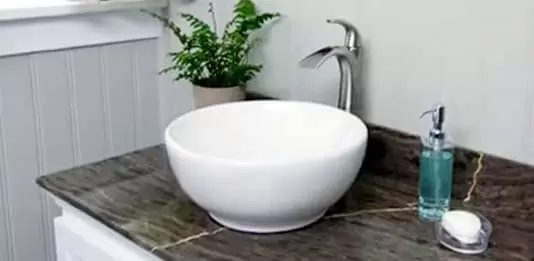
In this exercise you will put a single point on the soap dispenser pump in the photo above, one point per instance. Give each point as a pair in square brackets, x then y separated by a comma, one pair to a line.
[436, 167]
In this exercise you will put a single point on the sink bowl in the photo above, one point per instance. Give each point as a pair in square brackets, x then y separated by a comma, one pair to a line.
[266, 166]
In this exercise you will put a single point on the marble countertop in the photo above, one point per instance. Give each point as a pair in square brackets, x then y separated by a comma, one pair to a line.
[137, 196]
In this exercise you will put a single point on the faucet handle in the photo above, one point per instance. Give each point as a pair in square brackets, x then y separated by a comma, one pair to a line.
[352, 37]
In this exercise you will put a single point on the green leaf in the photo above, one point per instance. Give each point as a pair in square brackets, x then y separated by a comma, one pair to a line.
[244, 8]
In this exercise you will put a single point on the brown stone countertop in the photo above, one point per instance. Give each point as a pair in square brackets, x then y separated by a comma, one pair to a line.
[136, 195]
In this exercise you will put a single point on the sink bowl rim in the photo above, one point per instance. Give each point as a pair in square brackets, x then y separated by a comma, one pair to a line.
[176, 147]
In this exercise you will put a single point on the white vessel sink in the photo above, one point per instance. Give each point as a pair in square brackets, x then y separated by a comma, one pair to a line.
[266, 166]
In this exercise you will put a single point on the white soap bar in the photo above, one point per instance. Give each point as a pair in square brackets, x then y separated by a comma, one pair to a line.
[462, 225]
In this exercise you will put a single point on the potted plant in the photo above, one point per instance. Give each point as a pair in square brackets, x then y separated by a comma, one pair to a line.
[217, 64]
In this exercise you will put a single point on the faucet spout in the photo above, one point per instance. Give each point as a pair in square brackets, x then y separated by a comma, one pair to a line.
[348, 65]
[319, 57]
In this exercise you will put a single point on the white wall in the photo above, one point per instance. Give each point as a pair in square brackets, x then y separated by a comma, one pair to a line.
[67, 103]
[477, 57]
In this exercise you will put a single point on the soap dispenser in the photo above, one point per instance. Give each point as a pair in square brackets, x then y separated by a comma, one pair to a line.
[436, 166]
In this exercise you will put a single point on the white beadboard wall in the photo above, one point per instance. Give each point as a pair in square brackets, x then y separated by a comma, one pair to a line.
[61, 109]
[477, 57]
[66, 107]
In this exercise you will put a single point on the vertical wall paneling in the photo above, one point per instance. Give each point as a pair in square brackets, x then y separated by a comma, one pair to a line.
[55, 109]
[137, 97]
[105, 98]
[56, 139]
[39, 142]
[68, 100]
[90, 104]
[163, 47]
[6, 248]
[146, 64]
[119, 82]
[22, 166]
[72, 86]
[61, 109]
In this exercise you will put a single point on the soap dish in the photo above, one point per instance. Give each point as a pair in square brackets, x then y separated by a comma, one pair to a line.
[478, 246]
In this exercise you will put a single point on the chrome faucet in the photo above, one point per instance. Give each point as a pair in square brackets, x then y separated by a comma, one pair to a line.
[348, 57]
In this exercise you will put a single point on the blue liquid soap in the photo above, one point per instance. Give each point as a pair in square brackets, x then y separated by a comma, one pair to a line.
[435, 180]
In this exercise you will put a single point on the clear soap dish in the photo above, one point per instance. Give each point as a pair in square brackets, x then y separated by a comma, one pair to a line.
[471, 244]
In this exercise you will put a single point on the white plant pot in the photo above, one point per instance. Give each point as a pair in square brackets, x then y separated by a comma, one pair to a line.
[210, 96]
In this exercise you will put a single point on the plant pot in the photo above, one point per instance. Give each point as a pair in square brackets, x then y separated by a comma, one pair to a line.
[205, 96]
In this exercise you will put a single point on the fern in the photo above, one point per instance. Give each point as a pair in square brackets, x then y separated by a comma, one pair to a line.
[209, 60]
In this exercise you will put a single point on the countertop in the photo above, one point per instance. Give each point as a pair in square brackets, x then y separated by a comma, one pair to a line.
[137, 196]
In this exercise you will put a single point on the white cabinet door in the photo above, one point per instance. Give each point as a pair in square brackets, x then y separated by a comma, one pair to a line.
[71, 246]
[81, 238]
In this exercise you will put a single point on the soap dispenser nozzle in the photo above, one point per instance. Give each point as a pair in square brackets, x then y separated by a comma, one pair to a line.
[438, 117]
